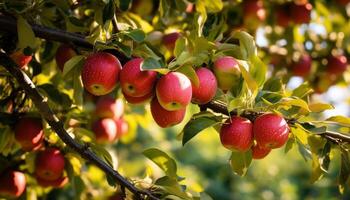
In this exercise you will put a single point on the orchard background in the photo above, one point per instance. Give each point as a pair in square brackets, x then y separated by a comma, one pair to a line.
[174, 99]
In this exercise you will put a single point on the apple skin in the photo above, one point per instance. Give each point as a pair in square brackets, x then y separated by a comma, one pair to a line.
[108, 107]
[49, 164]
[282, 16]
[63, 54]
[236, 134]
[259, 152]
[12, 184]
[20, 59]
[29, 133]
[207, 87]
[100, 73]
[227, 72]
[134, 82]
[105, 130]
[337, 65]
[174, 91]
[57, 183]
[253, 13]
[301, 14]
[165, 118]
[270, 131]
[343, 2]
[303, 66]
[169, 40]
[122, 127]
[138, 100]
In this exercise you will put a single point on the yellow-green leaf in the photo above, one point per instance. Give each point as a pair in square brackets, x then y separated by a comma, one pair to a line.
[252, 85]
[345, 121]
[26, 36]
[240, 162]
[190, 73]
[320, 107]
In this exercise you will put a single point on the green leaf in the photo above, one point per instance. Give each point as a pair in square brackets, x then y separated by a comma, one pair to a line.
[124, 4]
[75, 61]
[108, 11]
[102, 153]
[137, 35]
[190, 73]
[55, 95]
[302, 91]
[213, 6]
[247, 43]
[123, 48]
[294, 102]
[154, 65]
[195, 126]
[78, 87]
[320, 107]
[78, 186]
[180, 46]
[240, 162]
[300, 134]
[258, 70]
[26, 36]
[344, 169]
[252, 85]
[165, 162]
[172, 187]
[341, 120]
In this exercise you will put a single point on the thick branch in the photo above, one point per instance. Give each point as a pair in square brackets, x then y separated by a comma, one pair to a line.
[44, 109]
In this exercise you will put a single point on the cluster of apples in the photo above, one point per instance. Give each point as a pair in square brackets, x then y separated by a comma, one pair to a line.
[267, 132]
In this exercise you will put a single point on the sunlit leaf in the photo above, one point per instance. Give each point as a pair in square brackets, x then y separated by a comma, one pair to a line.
[165, 162]
[195, 126]
[26, 36]
[240, 162]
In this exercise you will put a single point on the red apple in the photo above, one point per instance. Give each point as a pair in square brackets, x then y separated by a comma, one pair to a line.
[260, 152]
[108, 107]
[343, 2]
[100, 73]
[135, 82]
[63, 54]
[49, 164]
[169, 40]
[227, 72]
[270, 131]
[105, 130]
[57, 183]
[29, 133]
[254, 13]
[301, 14]
[237, 134]
[282, 16]
[165, 118]
[20, 59]
[207, 87]
[337, 65]
[138, 100]
[122, 127]
[303, 66]
[12, 184]
[174, 91]
[190, 8]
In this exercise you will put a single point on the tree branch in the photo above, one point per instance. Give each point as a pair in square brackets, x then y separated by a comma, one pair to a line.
[44, 109]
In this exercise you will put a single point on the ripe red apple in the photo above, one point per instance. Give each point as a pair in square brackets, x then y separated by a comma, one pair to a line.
[57, 183]
[108, 107]
[174, 91]
[337, 65]
[20, 59]
[301, 13]
[207, 87]
[138, 100]
[270, 130]
[63, 54]
[100, 73]
[135, 82]
[343, 2]
[227, 72]
[12, 184]
[260, 152]
[122, 127]
[49, 164]
[282, 16]
[254, 13]
[165, 118]
[29, 133]
[237, 134]
[105, 130]
[169, 40]
[302, 67]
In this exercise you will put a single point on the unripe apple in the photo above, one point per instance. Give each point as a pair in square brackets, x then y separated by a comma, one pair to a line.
[207, 87]
[135, 82]
[270, 130]
[260, 152]
[343, 2]
[20, 59]
[337, 65]
[57, 183]
[303, 66]
[29, 133]
[49, 164]
[169, 40]
[138, 100]
[254, 13]
[122, 127]
[237, 134]
[12, 184]
[301, 13]
[63, 54]
[227, 72]
[108, 107]
[100, 73]
[165, 118]
[105, 130]
[174, 91]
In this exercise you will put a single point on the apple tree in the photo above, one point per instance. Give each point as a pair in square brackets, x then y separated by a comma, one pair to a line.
[92, 93]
